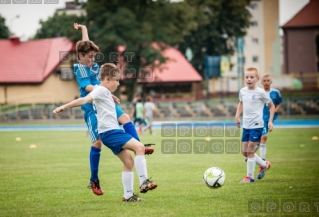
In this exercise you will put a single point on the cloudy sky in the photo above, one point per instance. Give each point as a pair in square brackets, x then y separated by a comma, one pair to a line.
[30, 14]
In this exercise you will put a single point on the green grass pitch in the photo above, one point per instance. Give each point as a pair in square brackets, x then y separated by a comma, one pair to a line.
[51, 179]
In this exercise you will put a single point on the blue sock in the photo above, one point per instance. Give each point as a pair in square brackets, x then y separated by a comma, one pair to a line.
[94, 162]
[130, 129]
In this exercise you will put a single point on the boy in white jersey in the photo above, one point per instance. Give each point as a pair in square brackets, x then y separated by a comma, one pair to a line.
[112, 136]
[252, 100]
[275, 97]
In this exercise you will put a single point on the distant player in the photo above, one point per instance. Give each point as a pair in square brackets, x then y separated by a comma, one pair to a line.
[110, 133]
[252, 100]
[275, 97]
[136, 98]
[149, 111]
[139, 115]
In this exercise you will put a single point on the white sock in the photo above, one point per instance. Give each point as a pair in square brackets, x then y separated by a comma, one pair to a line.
[128, 183]
[259, 161]
[263, 151]
[251, 163]
[140, 165]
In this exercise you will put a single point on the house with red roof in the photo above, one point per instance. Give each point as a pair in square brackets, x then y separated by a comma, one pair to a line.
[175, 80]
[30, 71]
[301, 41]
[41, 71]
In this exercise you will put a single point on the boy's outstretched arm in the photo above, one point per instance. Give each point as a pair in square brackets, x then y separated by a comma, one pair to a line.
[85, 34]
[74, 103]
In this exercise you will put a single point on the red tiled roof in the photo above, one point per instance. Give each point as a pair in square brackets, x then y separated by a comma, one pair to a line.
[31, 61]
[176, 69]
[306, 17]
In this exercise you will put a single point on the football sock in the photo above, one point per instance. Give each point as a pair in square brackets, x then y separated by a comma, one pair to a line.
[95, 154]
[130, 129]
[259, 161]
[128, 183]
[251, 163]
[263, 151]
[140, 165]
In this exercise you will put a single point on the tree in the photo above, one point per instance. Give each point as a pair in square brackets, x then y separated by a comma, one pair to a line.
[146, 27]
[136, 25]
[59, 25]
[4, 30]
[219, 23]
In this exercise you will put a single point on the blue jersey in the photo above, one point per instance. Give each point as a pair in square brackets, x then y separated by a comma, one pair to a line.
[86, 76]
[275, 97]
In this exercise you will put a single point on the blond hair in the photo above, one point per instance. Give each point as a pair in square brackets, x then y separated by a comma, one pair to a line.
[252, 69]
[109, 70]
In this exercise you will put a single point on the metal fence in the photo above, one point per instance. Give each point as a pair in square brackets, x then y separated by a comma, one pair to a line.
[179, 110]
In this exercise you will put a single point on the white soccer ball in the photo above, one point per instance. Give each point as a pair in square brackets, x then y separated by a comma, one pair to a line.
[214, 177]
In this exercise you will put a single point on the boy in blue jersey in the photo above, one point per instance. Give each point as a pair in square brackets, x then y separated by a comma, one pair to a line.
[87, 75]
[275, 96]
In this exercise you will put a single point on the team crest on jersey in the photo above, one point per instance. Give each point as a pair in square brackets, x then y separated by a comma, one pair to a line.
[274, 96]
[253, 97]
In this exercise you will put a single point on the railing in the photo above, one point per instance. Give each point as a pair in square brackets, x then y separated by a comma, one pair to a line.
[197, 110]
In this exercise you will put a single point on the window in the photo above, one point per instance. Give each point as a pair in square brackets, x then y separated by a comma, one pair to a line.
[253, 6]
[255, 40]
[255, 59]
[254, 23]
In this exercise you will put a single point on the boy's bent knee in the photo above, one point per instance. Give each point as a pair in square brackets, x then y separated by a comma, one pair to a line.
[140, 150]
[124, 118]
[97, 144]
[264, 138]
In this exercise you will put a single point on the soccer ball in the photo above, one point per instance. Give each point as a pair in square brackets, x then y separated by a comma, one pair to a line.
[214, 177]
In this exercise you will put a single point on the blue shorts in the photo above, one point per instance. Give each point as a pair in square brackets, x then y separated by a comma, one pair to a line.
[115, 139]
[91, 122]
[253, 135]
[265, 130]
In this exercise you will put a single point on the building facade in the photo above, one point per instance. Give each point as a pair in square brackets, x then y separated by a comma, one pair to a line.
[301, 41]
[262, 43]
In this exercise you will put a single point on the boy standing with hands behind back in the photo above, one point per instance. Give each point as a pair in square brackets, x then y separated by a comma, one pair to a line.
[275, 97]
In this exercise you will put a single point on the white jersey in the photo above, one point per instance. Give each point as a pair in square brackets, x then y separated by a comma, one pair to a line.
[149, 107]
[253, 105]
[105, 108]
